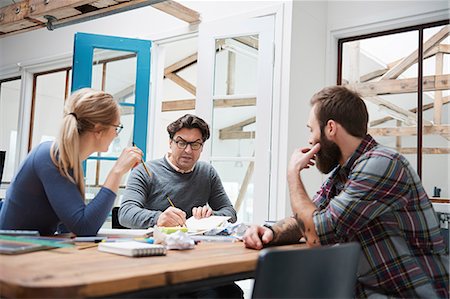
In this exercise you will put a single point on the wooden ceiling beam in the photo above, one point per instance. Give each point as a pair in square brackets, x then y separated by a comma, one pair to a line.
[399, 86]
[189, 104]
[179, 11]
[376, 122]
[410, 131]
[412, 58]
[181, 64]
[182, 83]
[30, 14]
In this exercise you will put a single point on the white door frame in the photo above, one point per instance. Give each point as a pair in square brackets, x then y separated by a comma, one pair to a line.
[264, 27]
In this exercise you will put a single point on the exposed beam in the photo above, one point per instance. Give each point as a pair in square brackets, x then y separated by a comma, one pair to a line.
[430, 83]
[407, 116]
[244, 186]
[181, 64]
[179, 11]
[410, 131]
[409, 60]
[429, 106]
[223, 135]
[178, 105]
[425, 150]
[438, 93]
[29, 14]
[442, 48]
[372, 75]
[227, 103]
[236, 131]
[248, 40]
[182, 82]
[241, 124]
[189, 104]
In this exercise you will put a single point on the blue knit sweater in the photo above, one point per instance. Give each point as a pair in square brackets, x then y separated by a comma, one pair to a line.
[40, 198]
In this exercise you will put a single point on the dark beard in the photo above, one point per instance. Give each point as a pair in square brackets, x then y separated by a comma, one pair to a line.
[328, 156]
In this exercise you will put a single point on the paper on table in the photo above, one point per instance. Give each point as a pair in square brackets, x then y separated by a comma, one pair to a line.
[116, 232]
[205, 224]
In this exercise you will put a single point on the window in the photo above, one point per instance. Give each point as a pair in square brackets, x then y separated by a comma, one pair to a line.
[403, 76]
[9, 120]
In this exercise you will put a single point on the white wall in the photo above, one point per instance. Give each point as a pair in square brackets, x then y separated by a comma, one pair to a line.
[307, 75]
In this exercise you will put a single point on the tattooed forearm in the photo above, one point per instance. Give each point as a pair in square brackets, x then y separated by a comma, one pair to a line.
[286, 231]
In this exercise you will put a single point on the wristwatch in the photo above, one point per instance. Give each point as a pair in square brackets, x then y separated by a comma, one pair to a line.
[269, 227]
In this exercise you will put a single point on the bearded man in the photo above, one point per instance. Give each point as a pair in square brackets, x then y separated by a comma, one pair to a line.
[373, 196]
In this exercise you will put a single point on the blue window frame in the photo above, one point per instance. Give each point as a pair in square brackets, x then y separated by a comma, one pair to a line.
[84, 47]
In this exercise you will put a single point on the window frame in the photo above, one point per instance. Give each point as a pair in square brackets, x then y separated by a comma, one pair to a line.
[420, 28]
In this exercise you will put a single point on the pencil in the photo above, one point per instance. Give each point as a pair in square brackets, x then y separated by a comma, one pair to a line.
[143, 164]
[171, 203]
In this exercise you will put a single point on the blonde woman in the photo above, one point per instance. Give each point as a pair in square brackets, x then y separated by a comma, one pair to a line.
[48, 189]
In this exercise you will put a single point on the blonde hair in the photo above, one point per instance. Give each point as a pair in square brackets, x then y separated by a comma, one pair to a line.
[82, 111]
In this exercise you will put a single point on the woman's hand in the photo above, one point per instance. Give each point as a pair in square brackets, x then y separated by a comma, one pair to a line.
[128, 159]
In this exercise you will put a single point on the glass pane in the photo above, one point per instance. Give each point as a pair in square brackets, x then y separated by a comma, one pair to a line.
[233, 129]
[375, 67]
[177, 99]
[118, 72]
[96, 173]
[50, 94]
[234, 136]
[236, 65]
[237, 179]
[436, 144]
[9, 118]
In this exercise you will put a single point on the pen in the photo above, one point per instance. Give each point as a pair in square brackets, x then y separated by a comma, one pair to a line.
[171, 203]
[145, 240]
[143, 164]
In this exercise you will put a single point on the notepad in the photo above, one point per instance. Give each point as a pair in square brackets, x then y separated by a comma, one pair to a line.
[16, 247]
[132, 248]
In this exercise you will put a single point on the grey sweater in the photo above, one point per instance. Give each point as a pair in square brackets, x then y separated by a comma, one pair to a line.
[145, 198]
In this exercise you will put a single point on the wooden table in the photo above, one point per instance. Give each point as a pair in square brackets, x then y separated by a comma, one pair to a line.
[72, 272]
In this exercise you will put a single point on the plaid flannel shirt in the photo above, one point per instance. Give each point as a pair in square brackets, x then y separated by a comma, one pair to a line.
[377, 199]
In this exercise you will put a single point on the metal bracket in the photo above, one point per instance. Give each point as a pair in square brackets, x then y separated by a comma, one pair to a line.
[50, 19]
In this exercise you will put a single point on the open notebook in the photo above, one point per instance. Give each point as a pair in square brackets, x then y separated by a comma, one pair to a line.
[132, 248]
[204, 224]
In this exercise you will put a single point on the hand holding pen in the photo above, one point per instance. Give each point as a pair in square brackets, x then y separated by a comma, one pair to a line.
[172, 216]
[128, 159]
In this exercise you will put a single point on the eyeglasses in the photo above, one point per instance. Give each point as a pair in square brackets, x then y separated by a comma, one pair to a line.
[181, 144]
[119, 128]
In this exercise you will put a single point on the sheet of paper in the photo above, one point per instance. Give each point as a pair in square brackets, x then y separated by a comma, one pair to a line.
[205, 224]
[117, 232]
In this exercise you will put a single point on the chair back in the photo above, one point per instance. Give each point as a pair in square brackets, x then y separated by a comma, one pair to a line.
[323, 272]
[2, 164]
[115, 218]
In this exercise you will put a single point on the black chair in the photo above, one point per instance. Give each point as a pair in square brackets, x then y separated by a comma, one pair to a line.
[324, 272]
[2, 164]
[115, 218]
[2, 167]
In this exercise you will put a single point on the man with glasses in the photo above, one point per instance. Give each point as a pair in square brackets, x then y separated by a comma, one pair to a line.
[178, 186]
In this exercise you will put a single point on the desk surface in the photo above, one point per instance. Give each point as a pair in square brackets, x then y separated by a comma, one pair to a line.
[70, 272]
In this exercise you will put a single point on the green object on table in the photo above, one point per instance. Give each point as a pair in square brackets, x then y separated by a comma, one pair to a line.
[36, 241]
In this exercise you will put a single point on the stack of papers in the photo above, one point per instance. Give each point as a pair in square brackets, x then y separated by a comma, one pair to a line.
[205, 224]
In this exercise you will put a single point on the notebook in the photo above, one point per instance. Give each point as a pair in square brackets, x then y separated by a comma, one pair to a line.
[132, 248]
[16, 247]
[23, 244]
